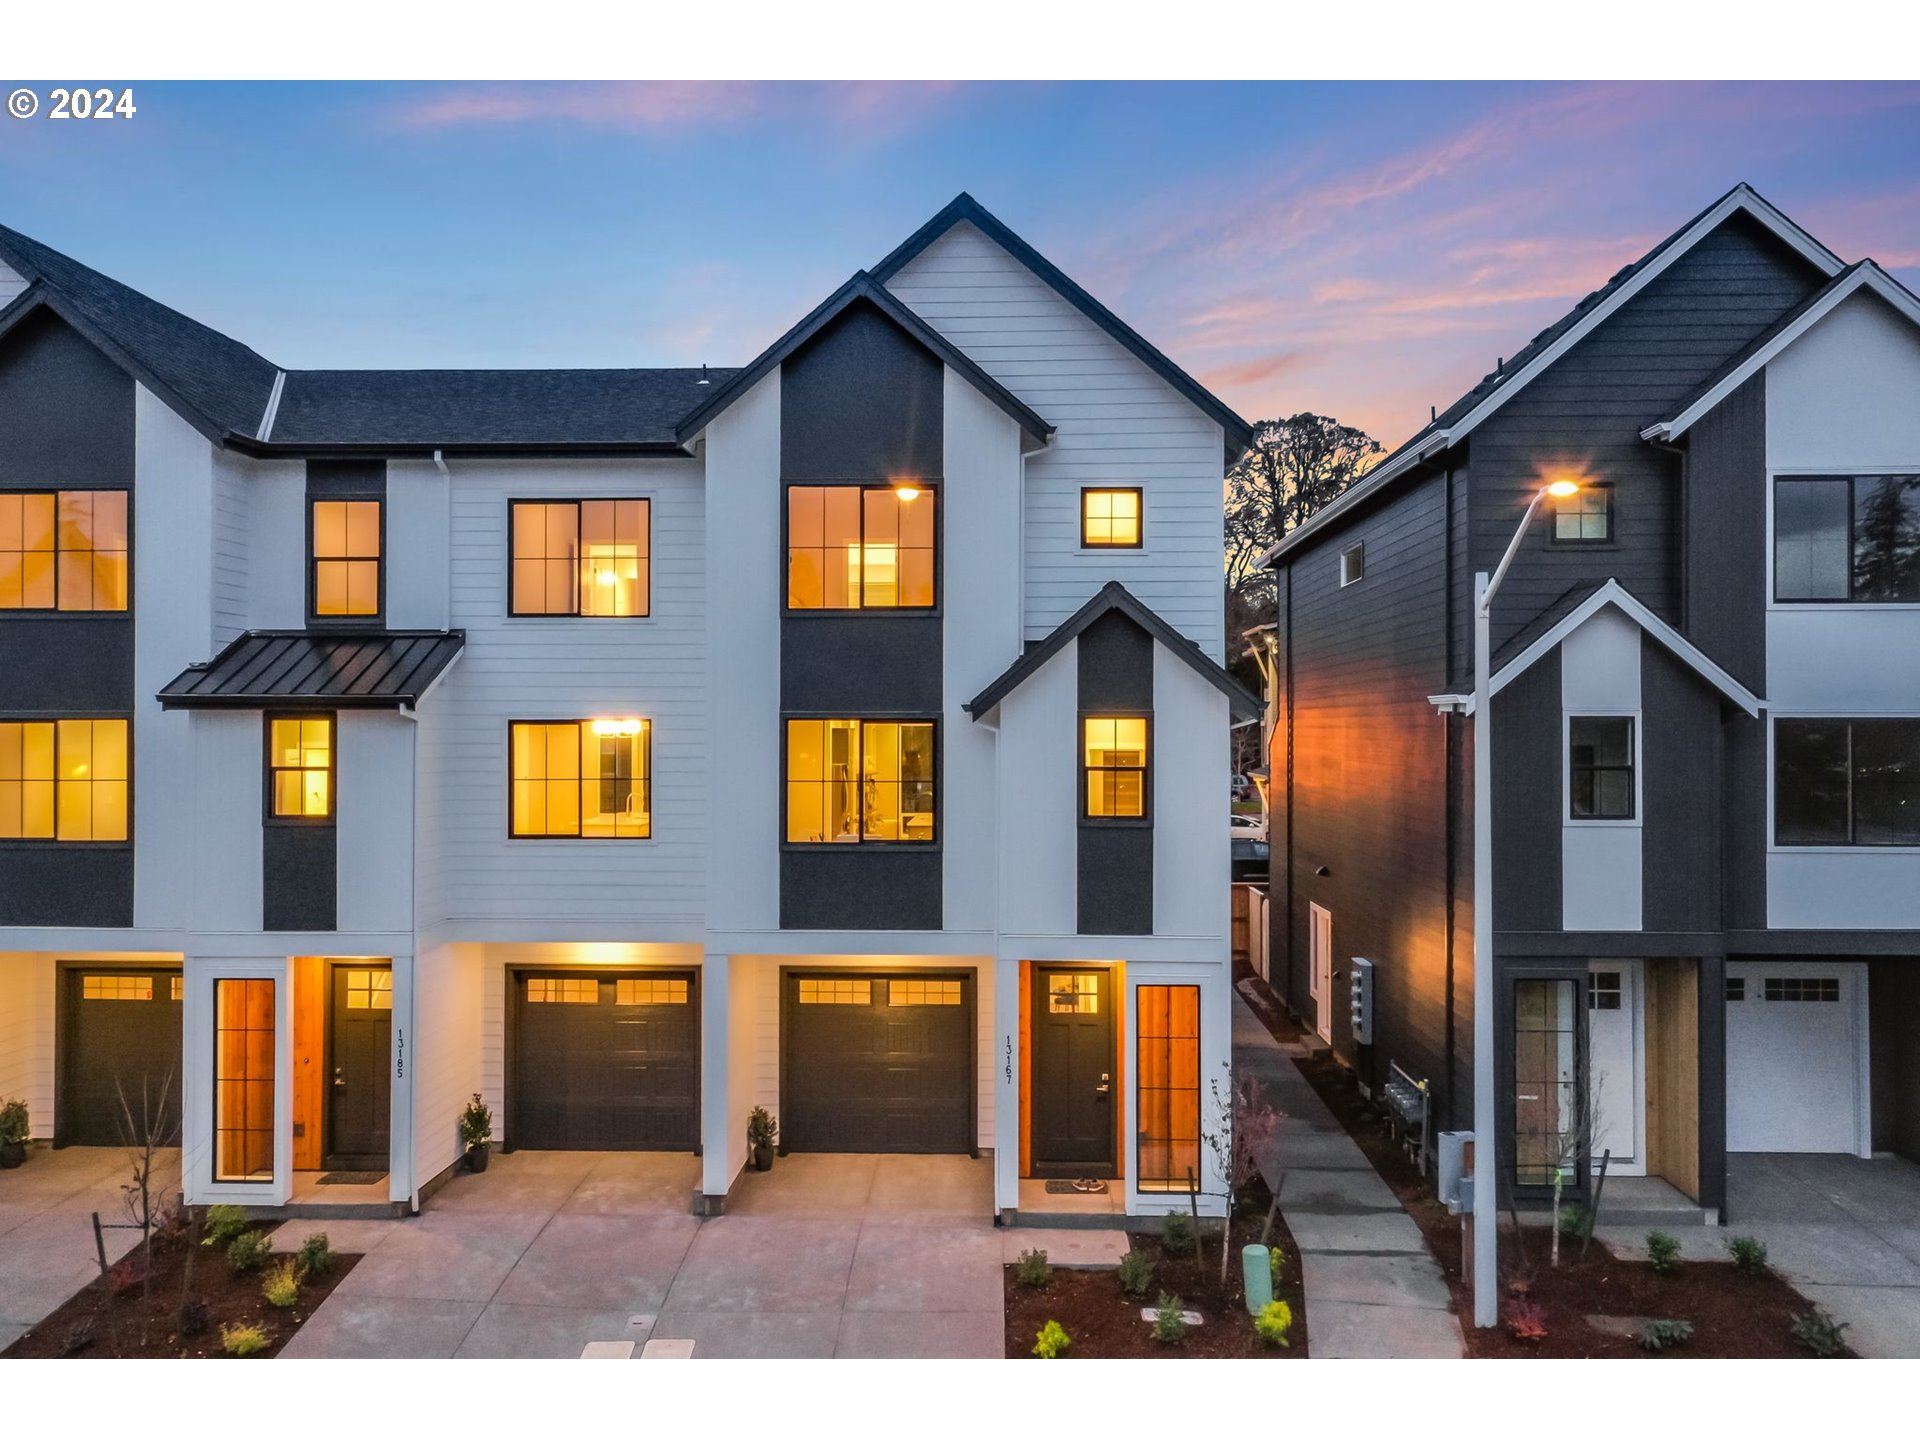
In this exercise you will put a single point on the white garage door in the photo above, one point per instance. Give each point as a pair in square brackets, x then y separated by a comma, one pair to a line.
[1796, 1057]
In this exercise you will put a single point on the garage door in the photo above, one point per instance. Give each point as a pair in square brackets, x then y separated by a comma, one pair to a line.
[1795, 1036]
[122, 1036]
[605, 1061]
[878, 1063]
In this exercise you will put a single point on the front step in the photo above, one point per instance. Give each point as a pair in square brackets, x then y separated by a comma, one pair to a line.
[356, 1210]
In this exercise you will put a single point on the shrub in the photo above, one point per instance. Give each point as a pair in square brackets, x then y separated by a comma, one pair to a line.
[1177, 1233]
[1749, 1255]
[1819, 1332]
[243, 1340]
[1663, 1252]
[123, 1275]
[14, 1124]
[316, 1255]
[221, 1224]
[1276, 1262]
[193, 1316]
[1658, 1335]
[1032, 1270]
[1527, 1320]
[476, 1123]
[282, 1285]
[1136, 1273]
[1052, 1341]
[248, 1251]
[1169, 1327]
[1575, 1220]
[1273, 1322]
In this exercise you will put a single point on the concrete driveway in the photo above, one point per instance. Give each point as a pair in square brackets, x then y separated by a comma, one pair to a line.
[1845, 1232]
[827, 1255]
[46, 1227]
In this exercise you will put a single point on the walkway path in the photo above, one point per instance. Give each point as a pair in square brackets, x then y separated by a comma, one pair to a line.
[1373, 1290]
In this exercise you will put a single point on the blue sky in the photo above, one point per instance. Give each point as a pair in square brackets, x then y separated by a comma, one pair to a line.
[1360, 250]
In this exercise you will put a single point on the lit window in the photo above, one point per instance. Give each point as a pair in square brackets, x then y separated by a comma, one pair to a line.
[1110, 518]
[63, 780]
[243, 1080]
[859, 780]
[650, 992]
[1169, 1088]
[923, 992]
[177, 989]
[555, 990]
[346, 559]
[581, 557]
[1116, 767]
[587, 779]
[369, 990]
[853, 547]
[1073, 994]
[63, 550]
[836, 992]
[116, 987]
[1584, 517]
[300, 766]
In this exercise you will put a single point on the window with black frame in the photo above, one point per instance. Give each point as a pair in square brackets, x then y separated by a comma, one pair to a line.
[1600, 767]
[860, 781]
[1546, 1081]
[1847, 538]
[1846, 782]
[1584, 517]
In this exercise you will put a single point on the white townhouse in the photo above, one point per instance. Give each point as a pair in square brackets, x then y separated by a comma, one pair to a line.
[844, 734]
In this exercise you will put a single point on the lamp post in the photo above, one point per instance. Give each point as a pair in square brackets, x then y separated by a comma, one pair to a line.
[1486, 1269]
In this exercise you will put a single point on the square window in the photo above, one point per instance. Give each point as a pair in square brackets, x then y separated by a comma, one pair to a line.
[581, 779]
[1584, 517]
[64, 550]
[1110, 519]
[861, 547]
[581, 557]
[860, 781]
[1604, 990]
[64, 780]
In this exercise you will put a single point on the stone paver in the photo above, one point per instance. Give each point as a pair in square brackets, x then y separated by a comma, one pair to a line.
[378, 1327]
[1372, 1289]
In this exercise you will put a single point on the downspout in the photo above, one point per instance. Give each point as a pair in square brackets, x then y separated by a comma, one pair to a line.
[1449, 733]
[446, 490]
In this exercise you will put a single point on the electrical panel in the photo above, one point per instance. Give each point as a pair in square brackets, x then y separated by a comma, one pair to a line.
[1360, 1001]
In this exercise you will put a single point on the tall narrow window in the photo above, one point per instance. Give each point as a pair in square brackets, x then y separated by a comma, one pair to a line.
[860, 547]
[1116, 767]
[300, 767]
[347, 559]
[63, 780]
[582, 557]
[1110, 519]
[582, 779]
[1546, 1082]
[1600, 767]
[63, 550]
[1584, 517]
[243, 1080]
[1168, 1157]
[860, 780]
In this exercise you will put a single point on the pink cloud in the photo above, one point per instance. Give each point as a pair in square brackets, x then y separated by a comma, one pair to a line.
[862, 106]
[1252, 372]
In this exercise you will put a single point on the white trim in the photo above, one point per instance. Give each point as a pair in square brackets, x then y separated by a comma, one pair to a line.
[1612, 593]
[1567, 817]
[1868, 276]
[1633, 981]
[1353, 575]
[273, 407]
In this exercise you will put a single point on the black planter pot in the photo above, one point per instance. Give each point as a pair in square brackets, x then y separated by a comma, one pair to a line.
[12, 1155]
[477, 1157]
[763, 1157]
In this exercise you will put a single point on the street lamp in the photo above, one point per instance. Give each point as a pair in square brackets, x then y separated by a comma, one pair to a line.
[1486, 1270]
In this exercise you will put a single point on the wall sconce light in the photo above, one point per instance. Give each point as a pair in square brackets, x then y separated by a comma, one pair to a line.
[616, 727]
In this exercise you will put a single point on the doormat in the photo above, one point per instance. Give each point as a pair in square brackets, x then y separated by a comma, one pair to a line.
[352, 1177]
[1076, 1187]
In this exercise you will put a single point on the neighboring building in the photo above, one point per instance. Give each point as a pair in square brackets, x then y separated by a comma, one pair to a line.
[844, 734]
[1706, 723]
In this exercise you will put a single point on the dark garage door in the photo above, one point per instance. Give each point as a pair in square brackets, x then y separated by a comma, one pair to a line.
[877, 1063]
[605, 1061]
[122, 1033]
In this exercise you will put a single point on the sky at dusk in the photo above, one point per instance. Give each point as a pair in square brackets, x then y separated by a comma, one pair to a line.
[1364, 251]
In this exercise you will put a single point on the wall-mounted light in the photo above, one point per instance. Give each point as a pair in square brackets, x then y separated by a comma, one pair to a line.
[1563, 488]
[907, 492]
[616, 727]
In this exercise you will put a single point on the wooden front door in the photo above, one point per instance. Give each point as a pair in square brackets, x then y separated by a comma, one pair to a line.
[359, 1082]
[1074, 1087]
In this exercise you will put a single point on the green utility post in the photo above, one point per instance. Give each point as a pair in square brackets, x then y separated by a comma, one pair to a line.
[1256, 1270]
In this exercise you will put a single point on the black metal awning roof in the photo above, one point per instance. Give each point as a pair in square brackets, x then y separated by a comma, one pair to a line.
[374, 668]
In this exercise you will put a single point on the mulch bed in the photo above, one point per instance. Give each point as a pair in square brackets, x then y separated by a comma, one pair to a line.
[1105, 1322]
[95, 1324]
[1734, 1316]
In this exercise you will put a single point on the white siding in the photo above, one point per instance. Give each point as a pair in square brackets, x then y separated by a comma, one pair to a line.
[26, 1037]
[1117, 423]
[1191, 845]
[233, 482]
[447, 1050]
[11, 284]
[374, 834]
[416, 548]
[1039, 799]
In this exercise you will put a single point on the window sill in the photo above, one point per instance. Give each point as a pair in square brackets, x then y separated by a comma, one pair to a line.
[1843, 849]
[36, 843]
[1584, 822]
[846, 847]
[1110, 550]
[1808, 606]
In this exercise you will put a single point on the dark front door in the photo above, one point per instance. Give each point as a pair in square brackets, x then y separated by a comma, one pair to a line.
[360, 1050]
[878, 1063]
[605, 1061]
[122, 1039]
[1073, 1091]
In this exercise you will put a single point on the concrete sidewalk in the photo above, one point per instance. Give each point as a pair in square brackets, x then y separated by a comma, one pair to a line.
[1373, 1290]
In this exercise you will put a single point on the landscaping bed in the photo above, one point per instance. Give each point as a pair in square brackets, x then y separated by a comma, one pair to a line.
[124, 1319]
[1735, 1315]
[1104, 1323]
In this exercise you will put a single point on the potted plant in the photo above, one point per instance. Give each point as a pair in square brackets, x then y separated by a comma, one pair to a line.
[13, 1134]
[476, 1132]
[763, 1133]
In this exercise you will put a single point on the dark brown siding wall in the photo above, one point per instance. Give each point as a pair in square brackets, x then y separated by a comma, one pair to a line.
[1369, 783]
[1588, 409]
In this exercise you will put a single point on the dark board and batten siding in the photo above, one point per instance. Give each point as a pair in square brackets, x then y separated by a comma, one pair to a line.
[1529, 805]
[862, 402]
[1368, 791]
[1115, 857]
[299, 876]
[66, 422]
[1681, 827]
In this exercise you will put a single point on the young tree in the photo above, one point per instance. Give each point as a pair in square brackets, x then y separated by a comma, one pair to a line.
[148, 1128]
[1244, 1127]
[1294, 468]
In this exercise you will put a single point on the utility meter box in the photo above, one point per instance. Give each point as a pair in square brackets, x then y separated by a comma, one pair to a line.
[1360, 1001]
[1456, 1175]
